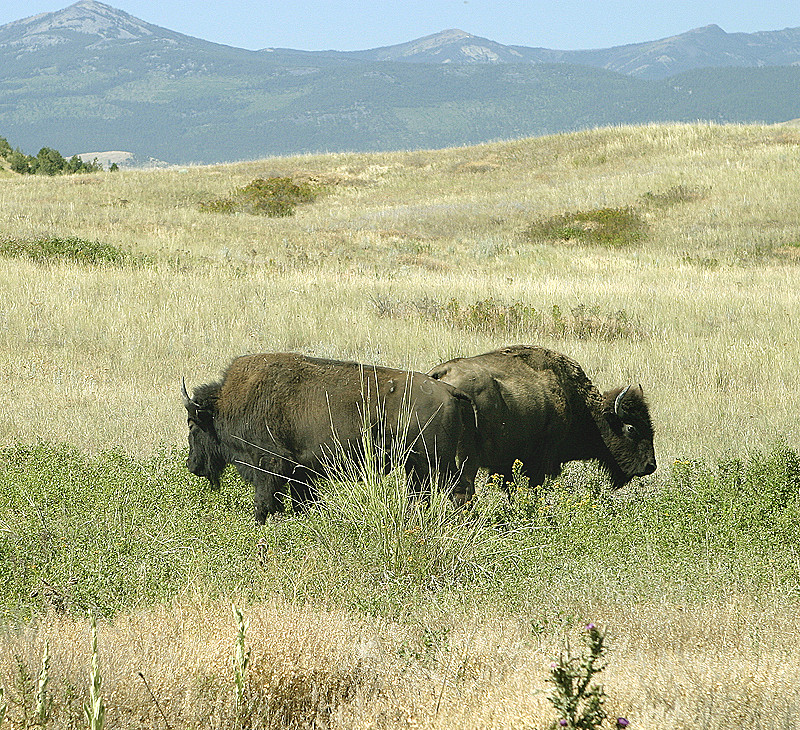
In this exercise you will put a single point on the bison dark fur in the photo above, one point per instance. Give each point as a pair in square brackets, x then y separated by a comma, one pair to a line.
[283, 419]
[538, 406]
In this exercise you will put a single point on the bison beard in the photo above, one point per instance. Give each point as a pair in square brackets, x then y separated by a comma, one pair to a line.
[538, 406]
[282, 418]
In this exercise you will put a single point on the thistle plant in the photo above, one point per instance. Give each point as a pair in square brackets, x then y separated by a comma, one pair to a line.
[578, 702]
[95, 710]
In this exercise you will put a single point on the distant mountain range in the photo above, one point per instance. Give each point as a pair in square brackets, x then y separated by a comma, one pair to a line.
[93, 77]
[705, 47]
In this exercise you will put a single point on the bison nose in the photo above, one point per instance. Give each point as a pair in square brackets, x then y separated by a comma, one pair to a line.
[650, 468]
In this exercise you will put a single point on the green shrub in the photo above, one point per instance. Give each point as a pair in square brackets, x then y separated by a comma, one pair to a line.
[275, 197]
[612, 227]
[673, 196]
[578, 702]
[219, 205]
[75, 250]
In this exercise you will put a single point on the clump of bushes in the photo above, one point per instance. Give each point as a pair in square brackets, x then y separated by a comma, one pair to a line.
[612, 227]
[275, 197]
[75, 250]
[493, 317]
[489, 315]
[47, 162]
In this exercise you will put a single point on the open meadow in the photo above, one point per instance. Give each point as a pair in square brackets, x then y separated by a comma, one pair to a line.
[666, 255]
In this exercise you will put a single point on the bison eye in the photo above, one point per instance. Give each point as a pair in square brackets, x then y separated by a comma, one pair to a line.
[631, 431]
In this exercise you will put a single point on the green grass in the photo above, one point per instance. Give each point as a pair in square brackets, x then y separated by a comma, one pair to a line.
[612, 227]
[72, 249]
[113, 533]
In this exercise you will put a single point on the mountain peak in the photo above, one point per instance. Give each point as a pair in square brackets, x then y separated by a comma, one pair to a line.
[447, 46]
[711, 29]
[85, 17]
[451, 35]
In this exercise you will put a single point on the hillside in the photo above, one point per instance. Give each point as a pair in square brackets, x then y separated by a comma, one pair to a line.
[94, 78]
[714, 227]
[661, 255]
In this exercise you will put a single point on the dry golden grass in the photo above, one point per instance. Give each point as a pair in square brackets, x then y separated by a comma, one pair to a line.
[720, 666]
[713, 288]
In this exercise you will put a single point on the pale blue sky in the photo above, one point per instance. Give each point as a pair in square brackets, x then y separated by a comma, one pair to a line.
[347, 25]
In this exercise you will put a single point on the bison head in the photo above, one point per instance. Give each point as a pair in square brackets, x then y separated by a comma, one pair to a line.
[206, 457]
[631, 434]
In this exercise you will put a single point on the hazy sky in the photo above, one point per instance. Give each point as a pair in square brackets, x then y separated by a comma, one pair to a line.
[347, 25]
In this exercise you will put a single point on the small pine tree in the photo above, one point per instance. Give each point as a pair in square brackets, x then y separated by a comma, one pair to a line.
[49, 162]
[20, 162]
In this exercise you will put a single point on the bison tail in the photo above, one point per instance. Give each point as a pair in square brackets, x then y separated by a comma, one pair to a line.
[471, 436]
[462, 396]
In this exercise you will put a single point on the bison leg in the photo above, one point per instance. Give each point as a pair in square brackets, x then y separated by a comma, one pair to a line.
[279, 481]
[266, 477]
[301, 489]
[266, 500]
[464, 489]
[419, 476]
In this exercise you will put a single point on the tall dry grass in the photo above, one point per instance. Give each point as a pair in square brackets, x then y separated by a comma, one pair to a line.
[721, 666]
[95, 357]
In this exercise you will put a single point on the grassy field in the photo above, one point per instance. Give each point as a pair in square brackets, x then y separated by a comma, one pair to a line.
[664, 255]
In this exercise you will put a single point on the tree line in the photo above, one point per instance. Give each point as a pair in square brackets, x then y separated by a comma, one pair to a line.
[47, 162]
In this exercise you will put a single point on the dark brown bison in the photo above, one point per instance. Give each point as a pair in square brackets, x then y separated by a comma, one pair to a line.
[538, 406]
[284, 419]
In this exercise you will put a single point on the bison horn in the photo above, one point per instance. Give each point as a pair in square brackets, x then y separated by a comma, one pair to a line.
[619, 399]
[187, 401]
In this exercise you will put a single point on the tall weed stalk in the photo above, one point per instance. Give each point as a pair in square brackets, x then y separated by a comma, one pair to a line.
[241, 664]
[43, 699]
[95, 709]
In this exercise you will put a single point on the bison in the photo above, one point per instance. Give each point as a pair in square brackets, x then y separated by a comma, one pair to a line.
[538, 406]
[283, 419]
